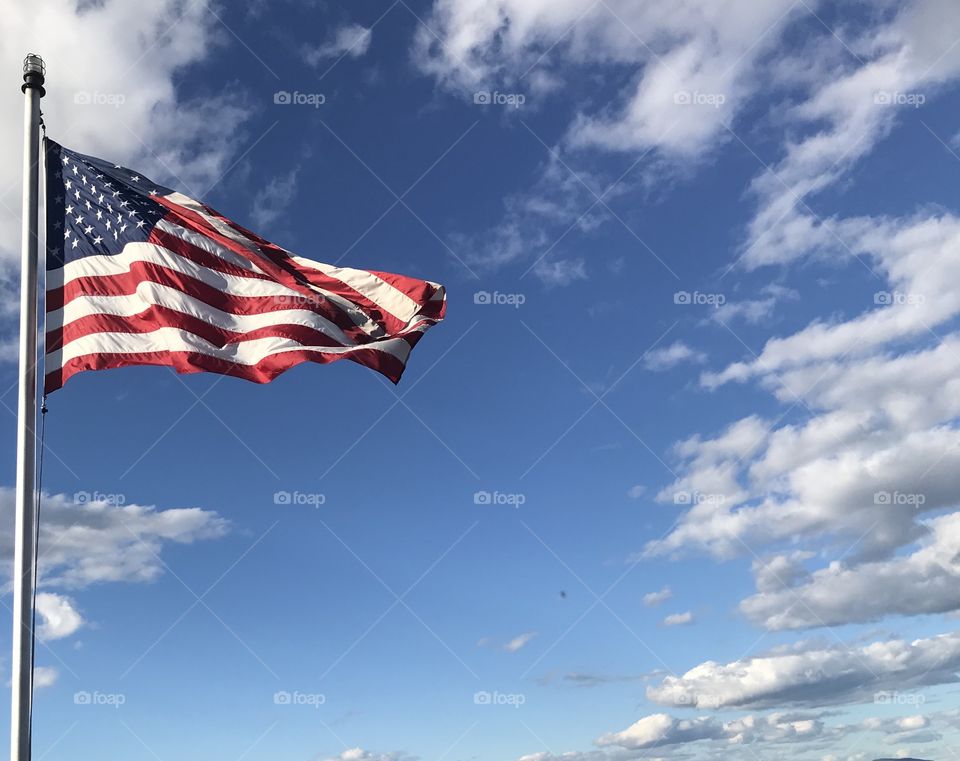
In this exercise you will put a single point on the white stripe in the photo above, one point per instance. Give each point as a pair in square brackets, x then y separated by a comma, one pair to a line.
[176, 340]
[153, 294]
[119, 264]
[234, 285]
[379, 291]
[383, 294]
[209, 245]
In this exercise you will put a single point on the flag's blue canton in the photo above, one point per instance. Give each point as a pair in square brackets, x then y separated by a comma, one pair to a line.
[94, 207]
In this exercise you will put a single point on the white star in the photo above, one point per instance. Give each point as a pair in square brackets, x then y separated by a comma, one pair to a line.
[75, 170]
[75, 243]
[108, 224]
[99, 214]
[114, 234]
[88, 229]
[66, 234]
[123, 227]
[76, 194]
[69, 210]
[135, 178]
[68, 184]
[125, 203]
[98, 240]
[79, 219]
[140, 223]
[65, 159]
[100, 198]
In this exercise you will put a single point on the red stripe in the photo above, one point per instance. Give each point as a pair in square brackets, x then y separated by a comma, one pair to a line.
[191, 362]
[156, 317]
[126, 285]
[295, 275]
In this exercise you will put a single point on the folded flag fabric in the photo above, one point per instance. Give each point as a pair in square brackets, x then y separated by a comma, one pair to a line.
[139, 274]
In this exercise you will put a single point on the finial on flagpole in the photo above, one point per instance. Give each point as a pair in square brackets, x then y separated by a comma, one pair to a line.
[34, 73]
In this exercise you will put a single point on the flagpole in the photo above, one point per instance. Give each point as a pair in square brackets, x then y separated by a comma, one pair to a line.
[24, 537]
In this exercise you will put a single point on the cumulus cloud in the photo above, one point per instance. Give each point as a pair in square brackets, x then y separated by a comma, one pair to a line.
[91, 541]
[660, 729]
[91, 106]
[655, 598]
[58, 616]
[359, 754]
[689, 65]
[814, 676]
[351, 40]
[670, 356]
[678, 619]
[925, 581]
[845, 115]
[519, 642]
[44, 676]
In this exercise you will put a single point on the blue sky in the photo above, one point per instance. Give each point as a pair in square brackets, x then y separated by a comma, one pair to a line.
[675, 478]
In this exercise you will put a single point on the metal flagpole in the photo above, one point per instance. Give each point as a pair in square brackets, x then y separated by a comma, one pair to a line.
[24, 555]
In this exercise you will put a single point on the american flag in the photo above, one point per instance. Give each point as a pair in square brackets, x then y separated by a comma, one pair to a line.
[139, 274]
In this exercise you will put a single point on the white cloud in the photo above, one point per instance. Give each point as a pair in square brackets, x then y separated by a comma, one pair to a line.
[519, 642]
[814, 676]
[926, 581]
[359, 754]
[678, 619]
[348, 40]
[272, 200]
[845, 115]
[44, 676]
[660, 729]
[691, 64]
[96, 541]
[670, 356]
[124, 44]
[58, 616]
[655, 598]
